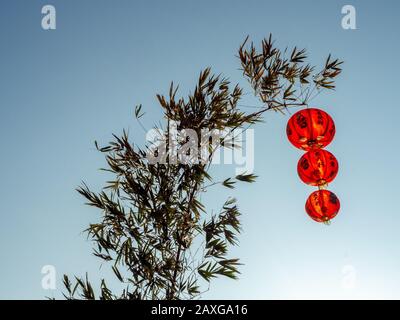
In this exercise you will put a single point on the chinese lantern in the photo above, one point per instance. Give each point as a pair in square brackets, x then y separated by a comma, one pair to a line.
[310, 128]
[317, 167]
[322, 205]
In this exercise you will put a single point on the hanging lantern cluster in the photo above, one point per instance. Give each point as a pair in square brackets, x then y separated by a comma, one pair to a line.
[312, 130]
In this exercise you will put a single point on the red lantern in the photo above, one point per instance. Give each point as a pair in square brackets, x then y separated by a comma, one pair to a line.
[322, 205]
[317, 167]
[310, 129]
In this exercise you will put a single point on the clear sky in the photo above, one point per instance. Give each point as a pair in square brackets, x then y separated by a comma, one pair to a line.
[62, 89]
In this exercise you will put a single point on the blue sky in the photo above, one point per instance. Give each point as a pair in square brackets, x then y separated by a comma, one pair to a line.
[62, 89]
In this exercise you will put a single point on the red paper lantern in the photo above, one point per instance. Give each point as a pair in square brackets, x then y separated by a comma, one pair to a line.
[317, 167]
[322, 205]
[310, 129]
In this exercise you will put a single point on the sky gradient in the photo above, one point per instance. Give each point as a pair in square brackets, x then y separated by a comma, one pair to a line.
[65, 88]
